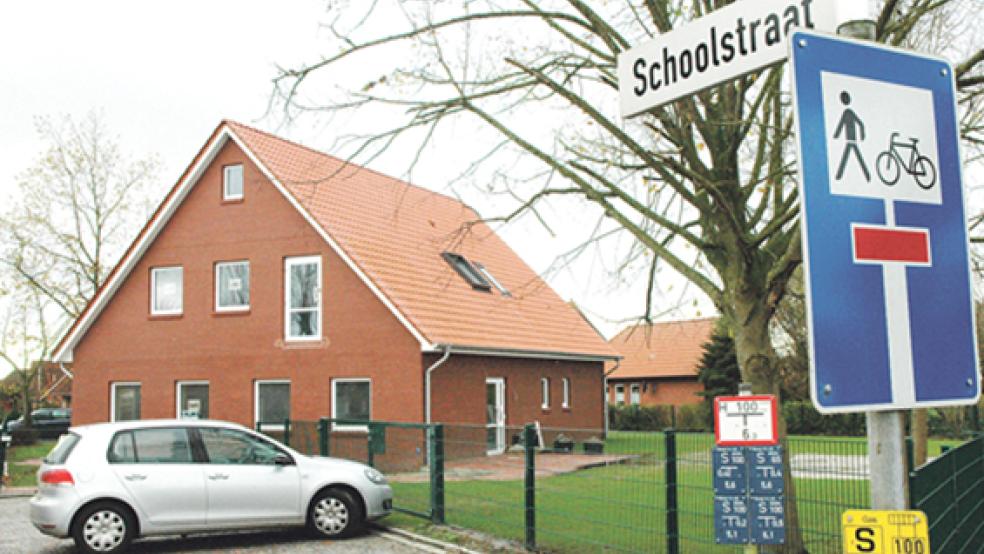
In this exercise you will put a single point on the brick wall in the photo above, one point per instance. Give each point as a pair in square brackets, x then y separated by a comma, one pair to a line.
[660, 392]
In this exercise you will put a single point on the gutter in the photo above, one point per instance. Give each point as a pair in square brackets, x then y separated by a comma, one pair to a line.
[520, 353]
[427, 382]
[604, 392]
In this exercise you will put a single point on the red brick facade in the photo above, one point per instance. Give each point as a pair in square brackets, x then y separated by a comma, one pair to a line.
[659, 392]
[361, 337]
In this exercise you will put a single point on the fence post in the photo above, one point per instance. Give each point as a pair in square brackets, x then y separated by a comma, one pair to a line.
[672, 521]
[435, 455]
[287, 431]
[323, 436]
[529, 442]
[4, 441]
[370, 443]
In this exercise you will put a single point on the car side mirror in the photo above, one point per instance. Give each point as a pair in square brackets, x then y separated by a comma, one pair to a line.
[283, 460]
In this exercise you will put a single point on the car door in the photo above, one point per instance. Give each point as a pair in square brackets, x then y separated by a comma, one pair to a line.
[245, 486]
[157, 468]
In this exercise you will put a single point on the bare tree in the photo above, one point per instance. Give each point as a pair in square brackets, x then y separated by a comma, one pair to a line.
[75, 211]
[705, 185]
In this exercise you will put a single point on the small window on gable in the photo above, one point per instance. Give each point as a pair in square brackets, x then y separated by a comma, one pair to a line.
[232, 182]
[490, 278]
[467, 271]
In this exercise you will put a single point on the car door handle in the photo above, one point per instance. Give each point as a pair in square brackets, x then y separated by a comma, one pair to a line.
[135, 477]
[218, 476]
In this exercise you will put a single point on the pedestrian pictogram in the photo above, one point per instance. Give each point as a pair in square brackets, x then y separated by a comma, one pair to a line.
[851, 127]
[884, 228]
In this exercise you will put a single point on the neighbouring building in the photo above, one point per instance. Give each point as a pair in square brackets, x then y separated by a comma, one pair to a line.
[660, 363]
[276, 281]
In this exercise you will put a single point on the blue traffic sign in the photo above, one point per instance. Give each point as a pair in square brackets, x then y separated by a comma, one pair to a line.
[765, 471]
[767, 520]
[884, 228]
[730, 471]
[731, 519]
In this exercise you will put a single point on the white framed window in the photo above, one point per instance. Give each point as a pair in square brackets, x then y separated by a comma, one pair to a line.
[620, 394]
[545, 393]
[232, 182]
[566, 399]
[191, 399]
[351, 399]
[271, 403]
[302, 304]
[166, 290]
[635, 394]
[124, 401]
[232, 286]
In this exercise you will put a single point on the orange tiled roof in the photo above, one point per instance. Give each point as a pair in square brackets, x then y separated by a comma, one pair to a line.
[395, 233]
[668, 349]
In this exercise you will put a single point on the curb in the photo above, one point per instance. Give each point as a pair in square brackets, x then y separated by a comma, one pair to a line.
[17, 492]
[427, 544]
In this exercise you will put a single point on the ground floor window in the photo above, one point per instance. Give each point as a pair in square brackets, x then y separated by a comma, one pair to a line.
[566, 400]
[635, 394]
[125, 401]
[545, 393]
[351, 399]
[620, 394]
[192, 399]
[272, 402]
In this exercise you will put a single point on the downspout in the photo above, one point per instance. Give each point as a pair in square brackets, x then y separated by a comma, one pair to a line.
[604, 393]
[427, 382]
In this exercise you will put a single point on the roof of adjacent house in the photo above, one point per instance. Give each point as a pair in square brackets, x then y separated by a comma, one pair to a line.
[393, 234]
[665, 349]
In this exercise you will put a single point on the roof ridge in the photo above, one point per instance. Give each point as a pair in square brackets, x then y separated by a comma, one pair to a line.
[349, 163]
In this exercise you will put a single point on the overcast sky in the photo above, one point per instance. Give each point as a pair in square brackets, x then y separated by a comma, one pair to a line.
[165, 73]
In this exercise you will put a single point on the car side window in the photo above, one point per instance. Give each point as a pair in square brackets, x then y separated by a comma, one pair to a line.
[151, 446]
[230, 446]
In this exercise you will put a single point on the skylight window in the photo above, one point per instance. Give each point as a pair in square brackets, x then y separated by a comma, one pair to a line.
[490, 278]
[467, 271]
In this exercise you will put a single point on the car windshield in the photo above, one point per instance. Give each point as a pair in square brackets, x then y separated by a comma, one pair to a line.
[62, 449]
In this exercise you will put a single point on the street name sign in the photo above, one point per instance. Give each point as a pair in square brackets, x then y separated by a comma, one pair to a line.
[721, 46]
[902, 531]
[885, 246]
[745, 420]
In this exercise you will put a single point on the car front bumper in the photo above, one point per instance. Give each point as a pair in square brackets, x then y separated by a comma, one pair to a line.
[379, 501]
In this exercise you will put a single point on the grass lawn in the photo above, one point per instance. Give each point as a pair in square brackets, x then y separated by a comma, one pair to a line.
[621, 507]
[24, 474]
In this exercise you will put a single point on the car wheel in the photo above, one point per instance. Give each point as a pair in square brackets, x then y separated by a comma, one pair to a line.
[335, 513]
[103, 527]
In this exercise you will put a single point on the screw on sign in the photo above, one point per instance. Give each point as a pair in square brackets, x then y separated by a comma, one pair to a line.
[885, 532]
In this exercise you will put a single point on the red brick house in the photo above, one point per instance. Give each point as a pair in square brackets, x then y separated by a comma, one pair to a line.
[276, 281]
[660, 361]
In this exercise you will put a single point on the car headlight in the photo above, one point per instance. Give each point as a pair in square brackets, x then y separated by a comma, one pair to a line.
[375, 476]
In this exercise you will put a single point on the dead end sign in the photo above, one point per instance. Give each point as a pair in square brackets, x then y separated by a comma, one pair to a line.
[745, 420]
[885, 247]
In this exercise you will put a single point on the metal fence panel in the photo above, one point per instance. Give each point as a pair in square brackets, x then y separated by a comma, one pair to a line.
[950, 490]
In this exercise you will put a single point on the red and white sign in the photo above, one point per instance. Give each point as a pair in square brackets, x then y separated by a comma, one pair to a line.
[746, 420]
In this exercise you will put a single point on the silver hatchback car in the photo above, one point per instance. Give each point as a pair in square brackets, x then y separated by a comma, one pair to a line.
[107, 484]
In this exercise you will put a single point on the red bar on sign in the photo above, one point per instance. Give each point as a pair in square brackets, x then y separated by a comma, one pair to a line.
[891, 244]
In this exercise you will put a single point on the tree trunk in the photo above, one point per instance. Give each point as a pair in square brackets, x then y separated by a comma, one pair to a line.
[756, 359]
[920, 436]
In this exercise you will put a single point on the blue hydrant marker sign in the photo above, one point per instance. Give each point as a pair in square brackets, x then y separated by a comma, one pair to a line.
[884, 227]
[749, 506]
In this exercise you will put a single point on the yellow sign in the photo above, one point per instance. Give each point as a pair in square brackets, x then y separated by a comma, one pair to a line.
[885, 532]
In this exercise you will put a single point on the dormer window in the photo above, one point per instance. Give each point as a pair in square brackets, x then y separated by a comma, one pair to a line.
[467, 271]
[490, 278]
[232, 182]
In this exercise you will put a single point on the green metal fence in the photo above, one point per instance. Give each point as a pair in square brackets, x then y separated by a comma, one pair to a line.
[567, 490]
[950, 490]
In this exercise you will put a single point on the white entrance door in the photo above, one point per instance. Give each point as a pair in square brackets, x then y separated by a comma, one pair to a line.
[495, 415]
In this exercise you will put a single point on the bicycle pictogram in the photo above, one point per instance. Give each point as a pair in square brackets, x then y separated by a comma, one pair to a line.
[891, 162]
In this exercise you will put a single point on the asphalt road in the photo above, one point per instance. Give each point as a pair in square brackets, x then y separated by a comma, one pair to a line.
[17, 536]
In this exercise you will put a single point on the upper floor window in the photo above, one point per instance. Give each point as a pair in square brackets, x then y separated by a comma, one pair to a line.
[232, 182]
[302, 305]
[231, 286]
[166, 290]
[545, 393]
[467, 271]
